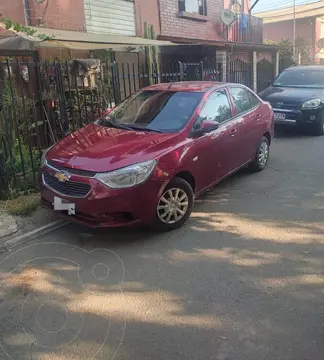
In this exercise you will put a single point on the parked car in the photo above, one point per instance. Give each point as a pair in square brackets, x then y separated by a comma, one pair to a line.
[297, 98]
[147, 159]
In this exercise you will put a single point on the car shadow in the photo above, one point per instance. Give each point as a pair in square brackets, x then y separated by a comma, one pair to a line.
[290, 132]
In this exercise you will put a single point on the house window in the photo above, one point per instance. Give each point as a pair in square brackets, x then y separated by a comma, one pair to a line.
[193, 6]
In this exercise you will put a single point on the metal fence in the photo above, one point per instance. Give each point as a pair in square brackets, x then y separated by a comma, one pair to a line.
[239, 71]
[42, 102]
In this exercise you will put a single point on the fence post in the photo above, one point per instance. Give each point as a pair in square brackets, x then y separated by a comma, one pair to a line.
[3, 177]
[201, 70]
[115, 83]
[276, 64]
[221, 58]
[254, 72]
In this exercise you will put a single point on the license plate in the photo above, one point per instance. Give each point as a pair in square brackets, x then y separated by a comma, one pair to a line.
[62, 205]
[279, 116]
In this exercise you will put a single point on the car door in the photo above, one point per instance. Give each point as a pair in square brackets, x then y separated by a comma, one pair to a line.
[213, 150]
[249, 123]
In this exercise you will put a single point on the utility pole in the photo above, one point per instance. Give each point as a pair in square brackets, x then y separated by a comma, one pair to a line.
[294, 31]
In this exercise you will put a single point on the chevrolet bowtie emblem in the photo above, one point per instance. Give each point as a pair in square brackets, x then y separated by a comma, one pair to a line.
[62, 176]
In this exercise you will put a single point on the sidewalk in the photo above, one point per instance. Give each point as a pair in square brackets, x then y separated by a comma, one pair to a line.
[8, 225]
[12, 226]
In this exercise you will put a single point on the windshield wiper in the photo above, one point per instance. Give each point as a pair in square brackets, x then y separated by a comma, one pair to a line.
[139, 128]
[106, 122]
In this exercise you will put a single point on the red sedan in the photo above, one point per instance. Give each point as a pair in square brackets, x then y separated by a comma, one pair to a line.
[146, 160]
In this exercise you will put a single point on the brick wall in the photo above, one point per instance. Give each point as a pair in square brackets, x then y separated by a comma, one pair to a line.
[147, 10]
[174, 26]
[61, 14]
[13, 9]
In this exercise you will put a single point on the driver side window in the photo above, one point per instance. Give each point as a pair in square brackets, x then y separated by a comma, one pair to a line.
[217, 108]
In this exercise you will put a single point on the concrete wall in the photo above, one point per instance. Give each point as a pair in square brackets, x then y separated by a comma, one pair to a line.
[284, 29]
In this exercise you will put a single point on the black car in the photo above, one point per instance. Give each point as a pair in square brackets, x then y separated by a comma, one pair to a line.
[297, 97]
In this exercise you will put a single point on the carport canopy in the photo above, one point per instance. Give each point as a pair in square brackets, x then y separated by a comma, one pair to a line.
[75, 40]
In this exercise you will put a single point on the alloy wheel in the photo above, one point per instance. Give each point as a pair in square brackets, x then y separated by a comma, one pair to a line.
[263, 153]
[172, 206]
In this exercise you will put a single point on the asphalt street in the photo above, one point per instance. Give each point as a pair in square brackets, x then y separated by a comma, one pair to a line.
[242, 280]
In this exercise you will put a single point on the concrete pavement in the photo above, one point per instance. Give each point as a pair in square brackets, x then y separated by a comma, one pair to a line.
[8, 225]
[243, 280]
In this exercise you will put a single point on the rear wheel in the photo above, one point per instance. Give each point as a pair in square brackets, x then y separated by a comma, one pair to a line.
[318, 128]
[262, 155]
[175, 205]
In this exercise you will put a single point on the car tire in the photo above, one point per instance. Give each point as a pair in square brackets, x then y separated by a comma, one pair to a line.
[318, 128]
[262, 156]
[168, 209]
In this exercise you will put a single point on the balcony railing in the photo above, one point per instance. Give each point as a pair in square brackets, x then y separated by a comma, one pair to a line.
[246, 29]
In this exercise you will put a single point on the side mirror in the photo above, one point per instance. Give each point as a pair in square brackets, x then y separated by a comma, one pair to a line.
[269, 82]
[207, 126]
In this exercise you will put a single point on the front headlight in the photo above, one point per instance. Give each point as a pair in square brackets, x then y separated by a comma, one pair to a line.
[311, 104]
[43, 158]
[128, 176]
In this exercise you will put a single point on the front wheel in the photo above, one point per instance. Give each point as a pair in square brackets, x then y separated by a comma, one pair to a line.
[318, 128]
[262, 155]
[175, 205]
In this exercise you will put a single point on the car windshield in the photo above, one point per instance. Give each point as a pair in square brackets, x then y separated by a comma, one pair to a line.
[301, 78]
[159, 111]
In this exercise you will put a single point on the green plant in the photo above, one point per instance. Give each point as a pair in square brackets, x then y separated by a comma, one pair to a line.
[17, 27]
[17, 162]
[303, 48]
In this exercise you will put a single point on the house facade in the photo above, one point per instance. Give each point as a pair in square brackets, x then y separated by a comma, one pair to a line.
[198, 25]
[177, 19]
[279, 24]
[120, 17]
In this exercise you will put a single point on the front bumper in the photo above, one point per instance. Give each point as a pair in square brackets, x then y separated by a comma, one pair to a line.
[104, 207]
[297, 117]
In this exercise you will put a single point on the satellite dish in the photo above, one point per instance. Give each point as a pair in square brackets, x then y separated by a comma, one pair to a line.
[227, 17]
[320, 43]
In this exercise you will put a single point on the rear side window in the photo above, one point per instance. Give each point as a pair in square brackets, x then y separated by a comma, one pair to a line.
[217, 108]
[253, 100]
[241, 99]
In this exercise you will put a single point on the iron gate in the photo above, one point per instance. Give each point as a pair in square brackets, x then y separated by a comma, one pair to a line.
[239, 72]
[265, 71]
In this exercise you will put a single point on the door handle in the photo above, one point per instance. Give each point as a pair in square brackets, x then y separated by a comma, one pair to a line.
[258, 117]
[233, 132]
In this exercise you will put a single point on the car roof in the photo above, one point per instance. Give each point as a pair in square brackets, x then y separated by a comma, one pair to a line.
[191, 86]
[306, 67]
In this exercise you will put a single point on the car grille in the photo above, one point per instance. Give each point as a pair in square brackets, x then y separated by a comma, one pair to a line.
[78, 172]
[284, 106]
[68, 188]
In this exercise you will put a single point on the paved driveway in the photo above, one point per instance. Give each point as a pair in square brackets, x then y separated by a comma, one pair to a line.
[243, 280]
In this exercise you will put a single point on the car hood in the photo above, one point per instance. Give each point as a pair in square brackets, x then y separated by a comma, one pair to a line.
[99, 149]
[290, 96]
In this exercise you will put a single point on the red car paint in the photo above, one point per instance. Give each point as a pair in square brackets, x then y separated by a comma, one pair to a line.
[96, 149]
